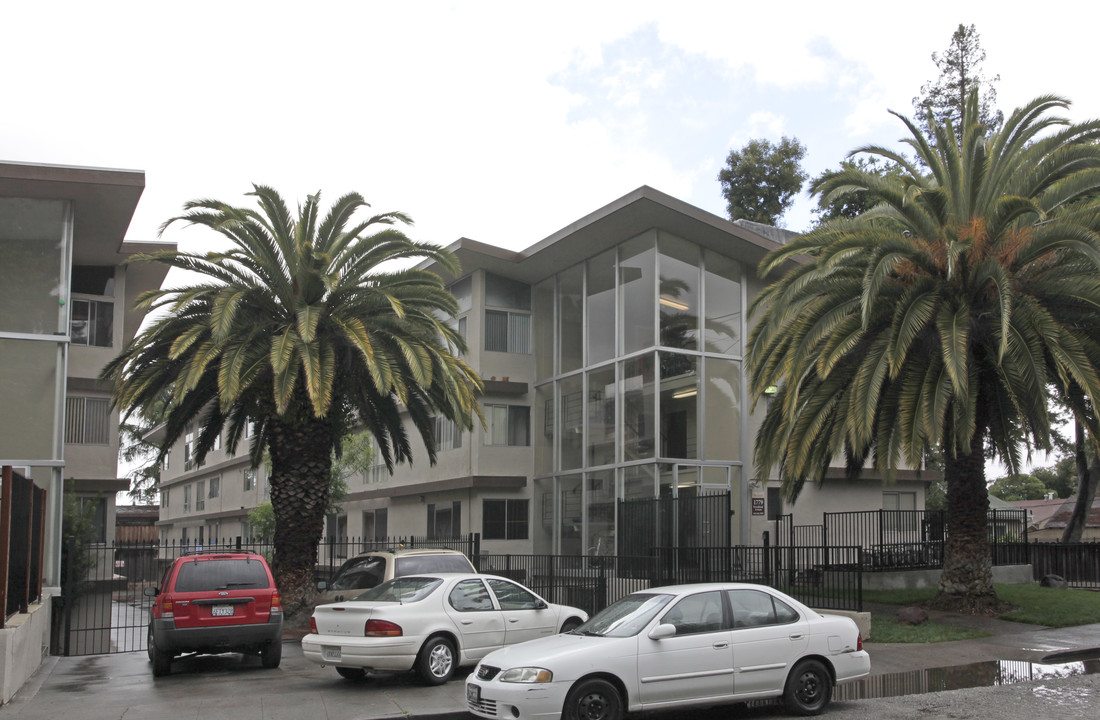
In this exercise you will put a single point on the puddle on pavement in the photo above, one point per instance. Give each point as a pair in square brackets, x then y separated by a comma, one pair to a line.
[981, 674]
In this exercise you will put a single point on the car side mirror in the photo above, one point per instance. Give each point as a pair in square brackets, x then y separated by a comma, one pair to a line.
[149, 591]
[541, 605]
[662, 631]
[322, 586]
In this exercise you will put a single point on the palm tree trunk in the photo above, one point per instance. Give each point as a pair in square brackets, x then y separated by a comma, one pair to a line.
[967, 581]
[301, 467]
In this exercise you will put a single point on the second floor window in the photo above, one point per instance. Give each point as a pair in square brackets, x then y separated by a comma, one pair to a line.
[87, 420]
[187, 498]
[507, 331]
[249, 479]
[215, 487]
[507, 425]
[200, 495]
[448, 436]
[92, 323]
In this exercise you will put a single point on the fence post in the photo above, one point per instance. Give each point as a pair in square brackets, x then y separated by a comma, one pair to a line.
[767, 558]
[5, 535]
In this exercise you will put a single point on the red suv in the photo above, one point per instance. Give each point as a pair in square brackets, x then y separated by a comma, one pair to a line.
[215, 603]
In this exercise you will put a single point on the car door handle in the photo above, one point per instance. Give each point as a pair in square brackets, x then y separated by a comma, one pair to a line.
[720, 645]
[512, 620]
[467, 622]
[796, 636]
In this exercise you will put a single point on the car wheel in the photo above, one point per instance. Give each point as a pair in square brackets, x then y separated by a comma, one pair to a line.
[593, 700]
[436, 663]
[162, 661]
[272, 654]
[149, 643]
[809, 688]
[570, 624]
[351, 673]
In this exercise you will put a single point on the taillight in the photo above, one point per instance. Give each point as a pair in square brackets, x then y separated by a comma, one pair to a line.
[167, 607]
[276, 603]
[381, 628]
[859, 641]
[313, 625]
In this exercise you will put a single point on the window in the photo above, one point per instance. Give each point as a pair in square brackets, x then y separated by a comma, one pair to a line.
[183, 533]
[752, 608]
[95, 510]
[375, 525]
[215, 487]
[217, 442]
[469, 596]
[200, 495]
[186, 501]
[87, 420]
[899, 501]
[91, 323]
[448, 436]
[443, 520]
[898, 513]
[504, 519]
[189, 448]
[512, 596]
[167, 459]
[164, 498]
[507, 331]
[507, 425]
[249, 479]
[697, 613]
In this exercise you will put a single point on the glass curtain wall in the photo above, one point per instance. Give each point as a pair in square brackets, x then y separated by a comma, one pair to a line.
[639, 385]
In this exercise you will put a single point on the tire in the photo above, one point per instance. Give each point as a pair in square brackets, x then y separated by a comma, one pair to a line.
[162, 661]
[570, 624]
[437, 661]
[351, 673]
[593, 700]
[809, 688]
[149, 643]
[271, 655]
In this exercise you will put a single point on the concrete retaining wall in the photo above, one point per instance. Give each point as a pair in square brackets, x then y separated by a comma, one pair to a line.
[24, 642]
[918, 579]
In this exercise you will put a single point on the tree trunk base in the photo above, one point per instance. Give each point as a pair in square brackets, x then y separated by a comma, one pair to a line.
[968, 604]
[297, 593]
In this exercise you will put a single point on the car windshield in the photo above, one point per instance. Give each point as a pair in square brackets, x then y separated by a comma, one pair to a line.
[402, 590]
[626, 617]
[221, 574]
[359, 573]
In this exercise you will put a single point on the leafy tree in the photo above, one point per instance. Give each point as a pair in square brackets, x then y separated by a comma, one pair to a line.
[261, 521]
[951, 334]
[77, 557]
[960, 75]
[1018, 487]
[1060, 478]
[301, 329]
[858, 201]
[760, 180]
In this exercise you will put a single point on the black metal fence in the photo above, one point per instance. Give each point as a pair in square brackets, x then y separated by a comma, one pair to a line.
[1078, 563]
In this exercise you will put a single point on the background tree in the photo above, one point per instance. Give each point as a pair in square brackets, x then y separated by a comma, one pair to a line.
[858, 201]
[760, 180]
[1059, 478]
[960, 69]
[1020, 486]
[300, 329]
[951, 334]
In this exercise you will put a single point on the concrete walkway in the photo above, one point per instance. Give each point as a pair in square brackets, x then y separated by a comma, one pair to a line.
[231, 686]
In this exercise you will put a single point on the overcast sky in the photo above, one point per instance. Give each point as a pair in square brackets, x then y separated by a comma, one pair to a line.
[501, 122]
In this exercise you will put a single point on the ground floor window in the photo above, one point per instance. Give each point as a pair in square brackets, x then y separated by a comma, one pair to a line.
[504, 519]
[443, 520]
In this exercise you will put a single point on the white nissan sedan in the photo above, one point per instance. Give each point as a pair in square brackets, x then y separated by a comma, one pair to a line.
[672, 647]
[432, 624]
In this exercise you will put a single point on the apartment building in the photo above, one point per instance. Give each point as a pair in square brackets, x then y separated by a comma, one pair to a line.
[612, 356]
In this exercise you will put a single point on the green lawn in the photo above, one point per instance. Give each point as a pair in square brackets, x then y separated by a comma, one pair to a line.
[885, 629]
[1034, 604]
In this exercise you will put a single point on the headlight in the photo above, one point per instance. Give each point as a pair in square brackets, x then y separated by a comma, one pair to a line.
[527, 675]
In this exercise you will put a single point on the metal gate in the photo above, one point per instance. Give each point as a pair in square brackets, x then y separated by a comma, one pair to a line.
[701, 520]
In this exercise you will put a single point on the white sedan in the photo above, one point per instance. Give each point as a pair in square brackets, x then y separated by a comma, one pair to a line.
[431, 623]
[672, 647]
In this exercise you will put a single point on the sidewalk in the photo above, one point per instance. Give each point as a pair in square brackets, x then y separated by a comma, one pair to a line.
[231, 686]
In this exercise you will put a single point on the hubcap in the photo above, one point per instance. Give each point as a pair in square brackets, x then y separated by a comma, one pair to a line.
[593, 707]
[809, 688]
[440, 660]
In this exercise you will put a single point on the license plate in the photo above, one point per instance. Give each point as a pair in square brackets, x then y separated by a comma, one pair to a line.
[473, 694]
[330, 653]
[221, 610]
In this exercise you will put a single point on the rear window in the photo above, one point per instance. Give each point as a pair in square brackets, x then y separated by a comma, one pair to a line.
[221, 574]
[403, 590]
[416, 564]
[359, 573]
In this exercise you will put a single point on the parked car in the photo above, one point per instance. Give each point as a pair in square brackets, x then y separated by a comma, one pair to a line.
[368, 569]
[215, 603]
[431, 624]
[671, 647]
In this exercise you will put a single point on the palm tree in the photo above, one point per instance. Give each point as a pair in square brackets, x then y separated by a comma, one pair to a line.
[300, 330]
[942, 318]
